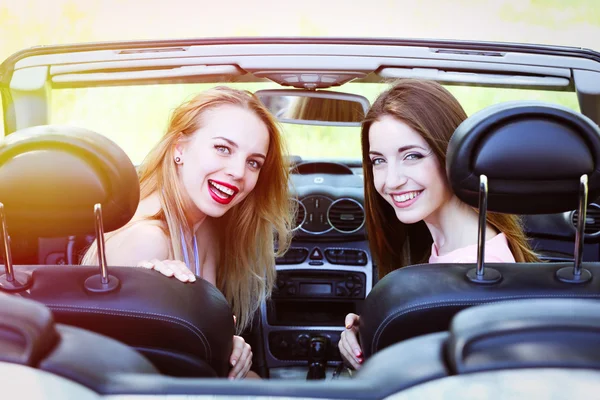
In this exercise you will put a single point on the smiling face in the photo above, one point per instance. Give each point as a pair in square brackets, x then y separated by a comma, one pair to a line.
[219, 166]
[406, 172]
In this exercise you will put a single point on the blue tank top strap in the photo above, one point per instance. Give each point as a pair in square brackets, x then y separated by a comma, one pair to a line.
[186, 257]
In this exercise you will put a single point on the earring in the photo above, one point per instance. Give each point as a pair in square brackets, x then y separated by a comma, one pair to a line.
[177, 160]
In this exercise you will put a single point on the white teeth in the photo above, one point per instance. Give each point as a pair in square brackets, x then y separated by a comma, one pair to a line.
[222, 188]
[405, 197]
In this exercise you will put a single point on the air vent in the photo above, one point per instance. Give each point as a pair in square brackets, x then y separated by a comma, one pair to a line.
[294, 255]
[346, 256]
[300, 213]
[592, 219]
[346, 215]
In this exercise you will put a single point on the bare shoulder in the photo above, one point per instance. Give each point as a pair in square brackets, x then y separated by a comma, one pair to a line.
[144, 240]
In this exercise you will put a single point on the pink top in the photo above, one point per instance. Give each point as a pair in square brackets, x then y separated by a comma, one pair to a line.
[496, 250]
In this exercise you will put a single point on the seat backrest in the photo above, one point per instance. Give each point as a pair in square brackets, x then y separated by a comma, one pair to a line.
[517, 146]
[519, 334]
[29, 336]
[52, 180]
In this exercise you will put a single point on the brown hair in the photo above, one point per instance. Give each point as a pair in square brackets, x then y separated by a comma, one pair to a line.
[246, 253]
[432, 111]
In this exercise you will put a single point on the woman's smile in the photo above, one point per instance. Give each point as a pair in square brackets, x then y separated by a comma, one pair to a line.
[405, 199]
[222, 192]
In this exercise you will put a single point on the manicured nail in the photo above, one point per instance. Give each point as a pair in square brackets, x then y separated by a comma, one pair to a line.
[357, 352]
[348, 326]
[192, 279]
[233, 362]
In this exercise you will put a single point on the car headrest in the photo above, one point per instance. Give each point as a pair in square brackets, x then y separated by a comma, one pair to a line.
[532, 153]
[51, 177]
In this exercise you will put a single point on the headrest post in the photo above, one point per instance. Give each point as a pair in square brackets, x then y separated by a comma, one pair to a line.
[10, 275]
[578, 274]
[11, 281]
[99, 225]
[104, 282]
[479, 274]
[580, 235]
[483, 197]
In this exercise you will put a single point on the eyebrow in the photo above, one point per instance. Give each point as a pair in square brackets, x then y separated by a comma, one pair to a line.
[400, 150]
[234, 144]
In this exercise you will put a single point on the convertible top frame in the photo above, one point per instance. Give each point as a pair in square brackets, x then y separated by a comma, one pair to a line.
[27, 77]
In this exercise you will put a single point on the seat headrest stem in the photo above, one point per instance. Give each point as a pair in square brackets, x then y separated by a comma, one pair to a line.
[580, 235]
[479, 274]
[11, 281]
[10, 275]
[100, 242]
[483, 197]
[103, 282]
[577, 274]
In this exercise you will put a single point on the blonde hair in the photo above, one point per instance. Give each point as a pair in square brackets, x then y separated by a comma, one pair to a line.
[431, 110]
[246, 233]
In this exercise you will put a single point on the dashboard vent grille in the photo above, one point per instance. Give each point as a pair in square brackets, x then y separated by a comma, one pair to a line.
[346, 215]
[300, 214]
[592, 219]
[295, 255]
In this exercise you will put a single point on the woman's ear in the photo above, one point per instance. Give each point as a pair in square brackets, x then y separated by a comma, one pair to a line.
[178, 152]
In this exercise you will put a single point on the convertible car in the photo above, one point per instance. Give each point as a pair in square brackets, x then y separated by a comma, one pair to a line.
[531, 146]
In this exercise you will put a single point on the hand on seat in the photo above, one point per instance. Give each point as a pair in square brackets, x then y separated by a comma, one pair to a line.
[241, 358]
[170, 268]
[348, 344]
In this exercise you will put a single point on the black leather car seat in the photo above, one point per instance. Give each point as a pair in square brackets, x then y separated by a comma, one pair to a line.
[29, 336]
[534, 155]
[52, 180]
[518, 334]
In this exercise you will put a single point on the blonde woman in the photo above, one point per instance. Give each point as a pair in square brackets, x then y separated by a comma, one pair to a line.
[214, 196]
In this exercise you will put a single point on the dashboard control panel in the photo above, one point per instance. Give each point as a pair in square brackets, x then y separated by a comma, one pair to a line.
[320, 284]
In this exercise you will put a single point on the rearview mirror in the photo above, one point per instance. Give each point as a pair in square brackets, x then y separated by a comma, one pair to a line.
[315, 108]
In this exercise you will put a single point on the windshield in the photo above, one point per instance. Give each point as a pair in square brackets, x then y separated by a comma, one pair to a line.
[135, 117]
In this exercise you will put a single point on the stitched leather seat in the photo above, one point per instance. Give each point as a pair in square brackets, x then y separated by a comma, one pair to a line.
[517, 334]
[29, 336]
[518, 146]
[50, 179]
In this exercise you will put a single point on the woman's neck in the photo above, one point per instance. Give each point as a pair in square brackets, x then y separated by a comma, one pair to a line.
[455, 225]
[195, 218]
[150, 206]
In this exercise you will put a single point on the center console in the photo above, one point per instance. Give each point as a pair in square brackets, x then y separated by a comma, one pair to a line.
[317, 285]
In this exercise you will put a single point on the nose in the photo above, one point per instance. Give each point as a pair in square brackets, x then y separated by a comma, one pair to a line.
[236, 168]
[395, 177]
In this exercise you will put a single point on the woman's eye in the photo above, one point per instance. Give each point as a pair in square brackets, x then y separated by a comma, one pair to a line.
[222, 149]
[254, 164]
[377, 161]
[413, 156]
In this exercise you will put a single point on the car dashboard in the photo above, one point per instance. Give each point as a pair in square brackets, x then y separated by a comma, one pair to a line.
[327, 271]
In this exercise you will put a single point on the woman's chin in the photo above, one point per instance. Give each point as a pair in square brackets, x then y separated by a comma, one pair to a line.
[215, 212]
[409, 217]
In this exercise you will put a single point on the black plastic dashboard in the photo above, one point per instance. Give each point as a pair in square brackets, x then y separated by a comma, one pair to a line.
[329, 199]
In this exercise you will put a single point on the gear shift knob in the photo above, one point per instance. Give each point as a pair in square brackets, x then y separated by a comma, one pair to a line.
[317, 357]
